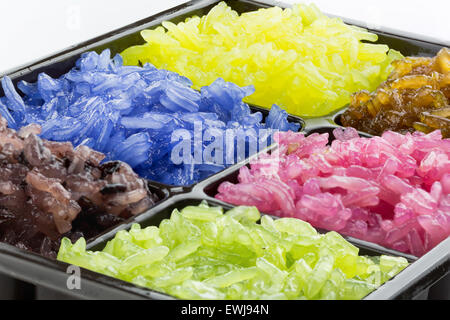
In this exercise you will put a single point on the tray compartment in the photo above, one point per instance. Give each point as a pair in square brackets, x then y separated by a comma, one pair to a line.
[118, 40]
[155, 217]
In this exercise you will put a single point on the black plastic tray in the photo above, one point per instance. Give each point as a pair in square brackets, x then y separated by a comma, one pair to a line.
[413, 282]
[432, 268]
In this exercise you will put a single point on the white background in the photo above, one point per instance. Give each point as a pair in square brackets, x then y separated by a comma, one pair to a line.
[30, 29]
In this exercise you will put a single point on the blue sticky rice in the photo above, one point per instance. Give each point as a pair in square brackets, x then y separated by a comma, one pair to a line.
[140, 115]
